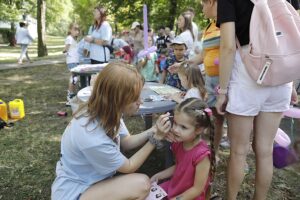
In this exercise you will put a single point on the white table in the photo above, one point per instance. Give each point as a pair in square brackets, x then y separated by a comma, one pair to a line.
[85, 71]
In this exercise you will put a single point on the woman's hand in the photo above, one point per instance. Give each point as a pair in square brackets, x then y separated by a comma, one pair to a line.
[221, 104]
[88, 38]
[294, 99]
[170, 137]
[163, 126]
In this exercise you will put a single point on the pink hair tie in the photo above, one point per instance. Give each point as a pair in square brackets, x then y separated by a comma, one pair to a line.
[208, 111]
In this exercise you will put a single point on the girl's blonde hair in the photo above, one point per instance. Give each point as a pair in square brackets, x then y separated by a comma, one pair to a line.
[117, 86]
[194, 77]
[71, 27]
[197, 110]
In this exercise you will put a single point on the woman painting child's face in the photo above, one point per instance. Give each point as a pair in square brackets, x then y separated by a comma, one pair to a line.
[132, 108]
[183, 128]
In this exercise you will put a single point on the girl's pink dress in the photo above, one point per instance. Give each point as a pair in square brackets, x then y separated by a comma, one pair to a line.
[186, 162]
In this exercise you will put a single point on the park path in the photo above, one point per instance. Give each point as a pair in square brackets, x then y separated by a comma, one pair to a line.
[47, 61]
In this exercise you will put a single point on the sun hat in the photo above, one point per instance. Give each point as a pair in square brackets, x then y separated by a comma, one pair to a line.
[134, 25]
[178, 40]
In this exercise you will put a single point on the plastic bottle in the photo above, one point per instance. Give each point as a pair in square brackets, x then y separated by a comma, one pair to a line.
[16, 109]
[3, 111]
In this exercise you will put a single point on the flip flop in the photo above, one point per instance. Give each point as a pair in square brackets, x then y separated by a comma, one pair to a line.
[215, 197]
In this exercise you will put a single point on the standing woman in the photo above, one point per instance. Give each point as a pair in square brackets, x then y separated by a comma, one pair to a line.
[90, 146]
[184, 23]
[100, 34]
[249, 106]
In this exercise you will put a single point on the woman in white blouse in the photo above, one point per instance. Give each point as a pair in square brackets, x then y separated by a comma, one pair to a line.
[100, 35]
[184, 23]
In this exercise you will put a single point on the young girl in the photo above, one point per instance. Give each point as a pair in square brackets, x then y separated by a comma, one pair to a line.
[193, 171]
[72, 57]
[147, 66]
[209, 57]
[191, 79]
[127, 54]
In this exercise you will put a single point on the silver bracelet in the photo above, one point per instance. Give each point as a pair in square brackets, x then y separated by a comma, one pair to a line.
[157, 143]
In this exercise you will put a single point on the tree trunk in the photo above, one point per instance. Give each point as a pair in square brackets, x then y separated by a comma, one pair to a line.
[172, 13]
[11, 35]
[41, 28]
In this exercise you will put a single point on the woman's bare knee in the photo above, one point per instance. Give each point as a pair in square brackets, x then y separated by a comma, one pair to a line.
[142, 184]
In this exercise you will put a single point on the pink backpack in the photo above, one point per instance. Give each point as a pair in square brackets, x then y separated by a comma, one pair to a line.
[273, 57]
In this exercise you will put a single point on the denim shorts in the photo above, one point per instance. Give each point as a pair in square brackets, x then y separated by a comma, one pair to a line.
[72, 65]
[211, 82]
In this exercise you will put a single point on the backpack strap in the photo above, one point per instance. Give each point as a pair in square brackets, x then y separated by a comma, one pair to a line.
[112, 42]
[104, 54]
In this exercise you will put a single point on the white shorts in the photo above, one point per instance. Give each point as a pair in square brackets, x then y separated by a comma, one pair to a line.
[247, 98]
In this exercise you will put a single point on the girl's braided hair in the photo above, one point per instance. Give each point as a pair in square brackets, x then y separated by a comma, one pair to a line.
[199, 110]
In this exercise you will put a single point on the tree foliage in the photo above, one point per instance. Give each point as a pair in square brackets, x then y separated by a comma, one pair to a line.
[123, 13]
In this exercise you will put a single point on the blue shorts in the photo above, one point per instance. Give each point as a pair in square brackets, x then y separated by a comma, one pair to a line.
[72, 65]
[211, 82]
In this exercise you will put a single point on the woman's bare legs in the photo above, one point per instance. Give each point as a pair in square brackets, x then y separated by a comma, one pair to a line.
[266, 125]
[239, 131]
[125, 187]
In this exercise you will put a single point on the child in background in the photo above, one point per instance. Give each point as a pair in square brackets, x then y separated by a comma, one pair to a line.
[191, 79]
[194, 169]
[127, 54]
[72, 58]
[162, 61]
[147, 65]
[179, 47]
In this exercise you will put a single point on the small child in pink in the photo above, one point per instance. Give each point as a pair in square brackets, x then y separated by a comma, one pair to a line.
[193, 171]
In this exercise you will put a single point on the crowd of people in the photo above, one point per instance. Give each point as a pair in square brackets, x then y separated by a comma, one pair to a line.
[213, 80]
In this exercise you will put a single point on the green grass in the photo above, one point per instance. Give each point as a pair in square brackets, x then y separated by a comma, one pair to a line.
[30, 149]
[55, 46]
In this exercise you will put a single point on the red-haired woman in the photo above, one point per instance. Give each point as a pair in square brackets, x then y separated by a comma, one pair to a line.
[90, 145]
[100, 34]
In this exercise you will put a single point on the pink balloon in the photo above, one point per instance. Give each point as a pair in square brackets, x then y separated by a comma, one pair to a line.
[216, 61]
[145, 52]
[282, 139]
[292, 112]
